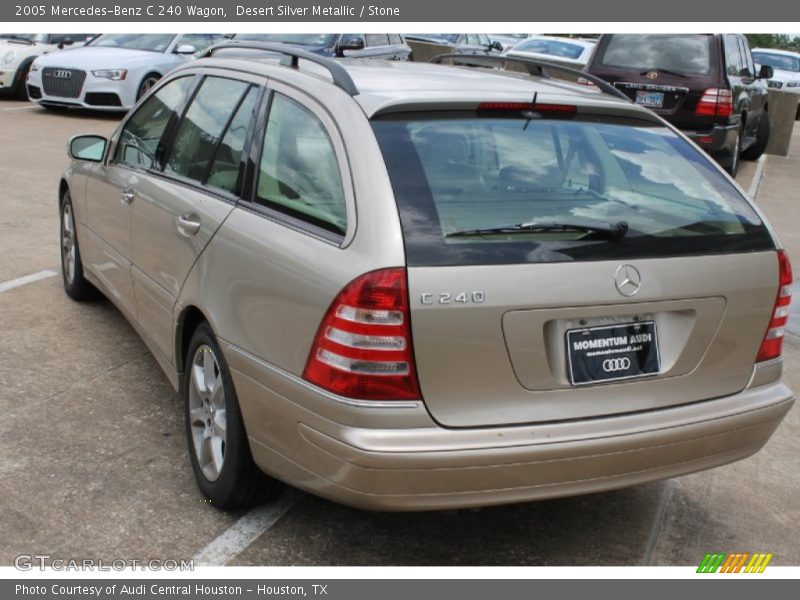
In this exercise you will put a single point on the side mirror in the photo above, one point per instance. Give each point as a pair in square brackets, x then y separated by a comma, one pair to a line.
[185, 49]
[351, 43]
[766, 72]
[87, 147]
[67, 41]
[496, 46]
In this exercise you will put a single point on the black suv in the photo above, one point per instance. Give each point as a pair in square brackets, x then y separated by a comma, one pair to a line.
[704, 84]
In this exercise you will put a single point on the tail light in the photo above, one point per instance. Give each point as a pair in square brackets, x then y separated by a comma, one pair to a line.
[772, 345]
[715, 102]
[363, 346]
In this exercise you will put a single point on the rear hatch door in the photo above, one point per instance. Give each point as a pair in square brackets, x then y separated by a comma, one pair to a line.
[530, 303]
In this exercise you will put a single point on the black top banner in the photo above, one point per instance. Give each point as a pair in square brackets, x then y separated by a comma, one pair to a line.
[441, 11]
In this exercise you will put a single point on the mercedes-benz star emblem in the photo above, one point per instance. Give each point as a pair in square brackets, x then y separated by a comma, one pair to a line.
[628, 280]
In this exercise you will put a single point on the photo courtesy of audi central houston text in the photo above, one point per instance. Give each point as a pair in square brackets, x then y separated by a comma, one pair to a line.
[385, 273]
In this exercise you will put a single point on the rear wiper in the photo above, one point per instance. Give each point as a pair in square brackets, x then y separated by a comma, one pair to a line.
[667, 71]
[612, 230]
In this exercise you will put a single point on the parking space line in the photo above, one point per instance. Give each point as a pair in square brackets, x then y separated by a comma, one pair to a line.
[755, 184]
[21, 107]
[25, 279]
[245, 531]
[658, 522]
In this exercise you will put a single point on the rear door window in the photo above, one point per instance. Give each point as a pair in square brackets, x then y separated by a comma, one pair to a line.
[202, 126]
[495, 187]
[747, 57]
[733, 56]
[691, 54]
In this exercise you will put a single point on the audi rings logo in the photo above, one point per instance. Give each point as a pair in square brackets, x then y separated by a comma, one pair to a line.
[613, 365]
[62, 74]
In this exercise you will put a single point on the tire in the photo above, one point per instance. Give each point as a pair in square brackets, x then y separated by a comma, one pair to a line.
[217, 442]
[21, 90]
[755, 151]
[148, 82]
[75, 284]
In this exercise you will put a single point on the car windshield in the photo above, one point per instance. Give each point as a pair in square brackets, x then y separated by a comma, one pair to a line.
[778, 61]
[475, 188]
[134, 41]
[551, 47]
[299, 39]
[31, 37]
[686, 54]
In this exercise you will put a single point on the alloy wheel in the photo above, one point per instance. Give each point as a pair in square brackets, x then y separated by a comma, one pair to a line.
[68, 243]
[207, 412]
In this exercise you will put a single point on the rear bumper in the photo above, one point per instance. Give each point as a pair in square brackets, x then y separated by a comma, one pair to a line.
[411, 467]
[720, 140]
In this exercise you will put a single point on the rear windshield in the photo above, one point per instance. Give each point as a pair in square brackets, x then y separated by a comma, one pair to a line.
[778, 61]
[493, 187]
[691, 54]
[551, 47]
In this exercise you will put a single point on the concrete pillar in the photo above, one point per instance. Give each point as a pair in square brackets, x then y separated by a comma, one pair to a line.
[424, 51]
[782, 114]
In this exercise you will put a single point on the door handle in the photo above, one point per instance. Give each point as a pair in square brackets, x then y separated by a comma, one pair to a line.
[188, 224]
[126, 196]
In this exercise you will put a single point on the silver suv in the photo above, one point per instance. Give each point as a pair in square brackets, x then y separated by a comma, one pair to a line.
[420, 286]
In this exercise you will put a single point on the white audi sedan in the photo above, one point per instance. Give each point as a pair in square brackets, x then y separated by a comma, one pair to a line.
[569, 52]
[111, 72]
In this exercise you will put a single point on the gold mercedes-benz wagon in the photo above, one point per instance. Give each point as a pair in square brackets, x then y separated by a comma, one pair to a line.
[410, 286]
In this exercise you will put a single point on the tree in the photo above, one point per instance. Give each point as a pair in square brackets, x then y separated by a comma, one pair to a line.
[779, 41]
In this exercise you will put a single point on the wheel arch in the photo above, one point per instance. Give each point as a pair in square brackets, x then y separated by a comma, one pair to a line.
[191, 316]
[63, 188]
[149, 73]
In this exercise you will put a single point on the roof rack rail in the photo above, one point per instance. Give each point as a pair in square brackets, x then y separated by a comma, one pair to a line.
[535, 67]
[290, 57]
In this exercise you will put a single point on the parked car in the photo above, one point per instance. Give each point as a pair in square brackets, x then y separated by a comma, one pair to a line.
[785, 66]
[112, 71]
[706, 85]
[569, 52]
[412, 286]
[463, 42]
[17, 51]
[507, 40]
[390, 46]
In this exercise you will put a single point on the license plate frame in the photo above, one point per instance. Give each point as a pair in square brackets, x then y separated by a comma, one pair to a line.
[636, 357]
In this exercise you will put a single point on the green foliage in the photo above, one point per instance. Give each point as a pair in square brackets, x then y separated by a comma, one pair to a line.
[780, 41]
